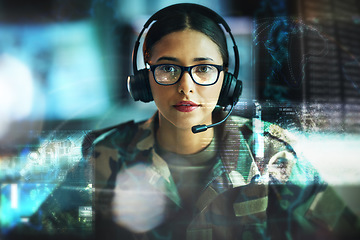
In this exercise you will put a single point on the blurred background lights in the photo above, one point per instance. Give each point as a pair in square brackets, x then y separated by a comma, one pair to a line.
[14, 195]
[16, 91]
[34, 156]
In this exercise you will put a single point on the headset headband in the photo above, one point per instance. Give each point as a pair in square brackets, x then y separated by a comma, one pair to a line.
[201, 9]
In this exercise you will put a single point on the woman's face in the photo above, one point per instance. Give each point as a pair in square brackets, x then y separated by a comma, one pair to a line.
[186, 48]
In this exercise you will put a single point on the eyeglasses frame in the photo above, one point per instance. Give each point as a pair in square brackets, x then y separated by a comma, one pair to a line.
[186, 69]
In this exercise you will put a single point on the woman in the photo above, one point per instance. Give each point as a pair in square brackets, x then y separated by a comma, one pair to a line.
[173, 184]
[159, 180]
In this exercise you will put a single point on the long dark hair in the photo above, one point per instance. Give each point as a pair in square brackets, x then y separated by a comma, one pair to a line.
[186, 18]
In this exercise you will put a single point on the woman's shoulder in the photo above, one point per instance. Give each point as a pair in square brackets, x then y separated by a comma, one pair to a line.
[278, 148]
[110, 137]
[271, 131]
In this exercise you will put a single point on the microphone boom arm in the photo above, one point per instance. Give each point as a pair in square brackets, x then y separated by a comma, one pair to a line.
[202, 128]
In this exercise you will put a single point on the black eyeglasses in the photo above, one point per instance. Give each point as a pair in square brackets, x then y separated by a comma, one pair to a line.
[202, 74]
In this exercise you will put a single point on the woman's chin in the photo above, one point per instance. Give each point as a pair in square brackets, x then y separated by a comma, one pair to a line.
[184, 121]
[186, 126]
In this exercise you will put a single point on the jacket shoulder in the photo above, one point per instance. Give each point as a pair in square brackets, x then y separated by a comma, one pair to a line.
[119, 134]
[105, 149]
[279, 133]
[270, 130]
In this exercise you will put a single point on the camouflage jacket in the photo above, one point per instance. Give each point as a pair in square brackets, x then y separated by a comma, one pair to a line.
[259, 187]
[251, 193]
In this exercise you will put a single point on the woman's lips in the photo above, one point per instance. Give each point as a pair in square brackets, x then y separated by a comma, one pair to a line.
[186, 106]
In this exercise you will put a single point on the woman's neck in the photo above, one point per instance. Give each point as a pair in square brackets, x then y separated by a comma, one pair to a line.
[182, 141]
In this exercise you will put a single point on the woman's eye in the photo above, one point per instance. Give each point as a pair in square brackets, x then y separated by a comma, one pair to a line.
[203, 69]
[168, 69]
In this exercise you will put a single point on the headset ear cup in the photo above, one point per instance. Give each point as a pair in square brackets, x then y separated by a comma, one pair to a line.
[230, 90]
[139, 86]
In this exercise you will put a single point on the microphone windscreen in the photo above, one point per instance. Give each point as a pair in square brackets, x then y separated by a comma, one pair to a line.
[199, 128]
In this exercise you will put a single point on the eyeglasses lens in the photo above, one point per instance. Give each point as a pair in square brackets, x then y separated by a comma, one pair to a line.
[202, 74]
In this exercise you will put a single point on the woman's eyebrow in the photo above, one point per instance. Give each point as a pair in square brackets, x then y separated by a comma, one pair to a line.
[199, 59]
[173, 59]
[168, 59]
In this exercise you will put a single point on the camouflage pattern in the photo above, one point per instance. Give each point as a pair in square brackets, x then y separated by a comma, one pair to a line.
[273, 195]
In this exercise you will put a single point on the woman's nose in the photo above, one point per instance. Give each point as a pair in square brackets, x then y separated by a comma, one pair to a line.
[186, 84]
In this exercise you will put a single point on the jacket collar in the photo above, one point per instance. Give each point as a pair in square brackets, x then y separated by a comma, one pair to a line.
[236, 166]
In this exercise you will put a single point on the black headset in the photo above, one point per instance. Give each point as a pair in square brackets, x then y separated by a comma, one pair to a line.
[138, 84]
